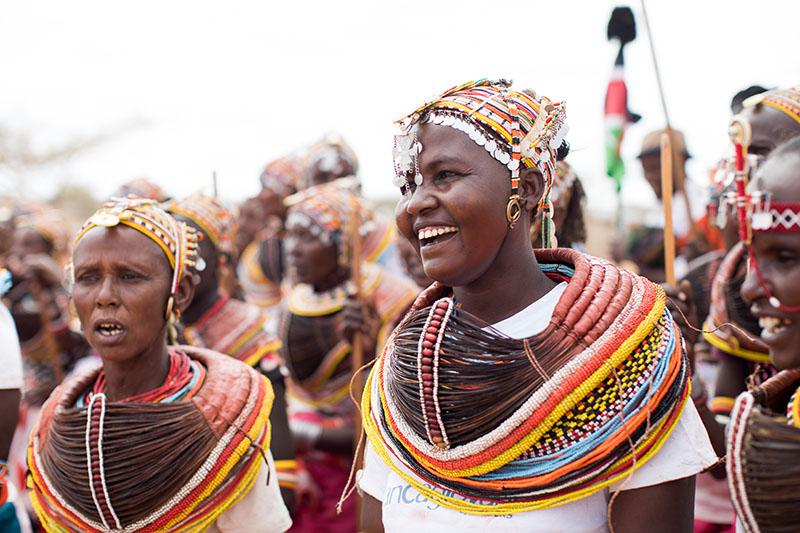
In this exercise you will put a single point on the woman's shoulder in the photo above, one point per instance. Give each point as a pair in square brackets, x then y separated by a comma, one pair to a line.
[64, 397]
[230, 388]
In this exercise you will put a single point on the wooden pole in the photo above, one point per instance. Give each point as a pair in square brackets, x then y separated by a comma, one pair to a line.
[214, 183]
[358, 346]
[355, 278]
[666, 199]
[693, 230]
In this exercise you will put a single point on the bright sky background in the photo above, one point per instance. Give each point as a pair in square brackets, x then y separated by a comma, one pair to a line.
[199, 86]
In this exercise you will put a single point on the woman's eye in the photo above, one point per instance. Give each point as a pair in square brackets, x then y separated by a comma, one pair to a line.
[786, 257]
[446, 174]
[86, 278]
[129, 276]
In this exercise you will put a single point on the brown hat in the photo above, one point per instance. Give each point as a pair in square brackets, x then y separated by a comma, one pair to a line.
[651, 145]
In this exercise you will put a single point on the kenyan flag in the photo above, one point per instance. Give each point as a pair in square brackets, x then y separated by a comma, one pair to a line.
[616, 117]
[622, 28]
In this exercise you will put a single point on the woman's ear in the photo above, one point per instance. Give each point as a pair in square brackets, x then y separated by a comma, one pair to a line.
[531, 185]
[185, 293]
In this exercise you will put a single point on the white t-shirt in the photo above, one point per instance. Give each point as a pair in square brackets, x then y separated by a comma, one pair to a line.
[686, 452]
[261, 511]
[10, 355]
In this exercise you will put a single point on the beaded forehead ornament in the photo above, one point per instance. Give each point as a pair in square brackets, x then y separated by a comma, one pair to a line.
[216, 220]
[177, 240]
[513, 127]
[327, 211]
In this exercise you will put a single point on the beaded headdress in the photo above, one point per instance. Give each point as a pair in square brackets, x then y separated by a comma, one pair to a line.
[141, 188]
[177, 240]
[216, 220]
[328, 211]
[47, 222]
[563, 180]
[329, 154]
[282, 175]
[785, 100]
[515, 128]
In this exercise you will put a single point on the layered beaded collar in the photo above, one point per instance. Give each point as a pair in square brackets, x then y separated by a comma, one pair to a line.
[489, 425]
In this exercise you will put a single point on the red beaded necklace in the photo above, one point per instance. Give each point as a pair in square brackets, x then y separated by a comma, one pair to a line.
[179, 376]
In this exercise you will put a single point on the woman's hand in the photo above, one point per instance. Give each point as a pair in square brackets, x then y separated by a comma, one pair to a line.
[683, 308]
[361, 317]
[307, 494]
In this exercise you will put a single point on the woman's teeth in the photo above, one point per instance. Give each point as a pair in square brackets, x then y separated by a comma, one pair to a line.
[772, 324]
[109, 330]
[429, 233]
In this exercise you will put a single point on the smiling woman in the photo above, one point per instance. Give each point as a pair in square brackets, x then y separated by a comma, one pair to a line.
[764, 432]
[524, 387]
[164, 443]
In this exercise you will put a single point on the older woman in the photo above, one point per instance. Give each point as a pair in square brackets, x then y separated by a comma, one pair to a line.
[158, 438]
[525, 390]
[764, 432]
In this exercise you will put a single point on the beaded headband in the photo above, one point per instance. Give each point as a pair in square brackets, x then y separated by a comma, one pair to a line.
[216, 221]
[513, 127]
[177, 240]
[282, 176]
[786, 100]
[773, 217]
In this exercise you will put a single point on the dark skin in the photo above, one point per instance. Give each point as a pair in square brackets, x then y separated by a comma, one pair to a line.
[316, 263]
[122, 277]
[461, 182]
[272, 203]
[27, 241]
[778, 259]
[9, 415]
[465, 187]
[770, 128]
[206, 294]
[35, 273]
[252, 219]
[206, 290]
[412, 262]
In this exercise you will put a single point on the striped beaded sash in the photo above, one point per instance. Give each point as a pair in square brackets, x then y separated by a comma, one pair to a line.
[486, 424]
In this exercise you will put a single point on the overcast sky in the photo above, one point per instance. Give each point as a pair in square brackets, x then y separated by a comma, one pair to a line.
[190, 86]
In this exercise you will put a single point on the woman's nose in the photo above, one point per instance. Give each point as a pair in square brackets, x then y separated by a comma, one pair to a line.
[751, 287]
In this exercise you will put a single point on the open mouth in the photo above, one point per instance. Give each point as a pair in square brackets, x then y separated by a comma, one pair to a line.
[435, 234]
[109, 329]
[772, 325]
